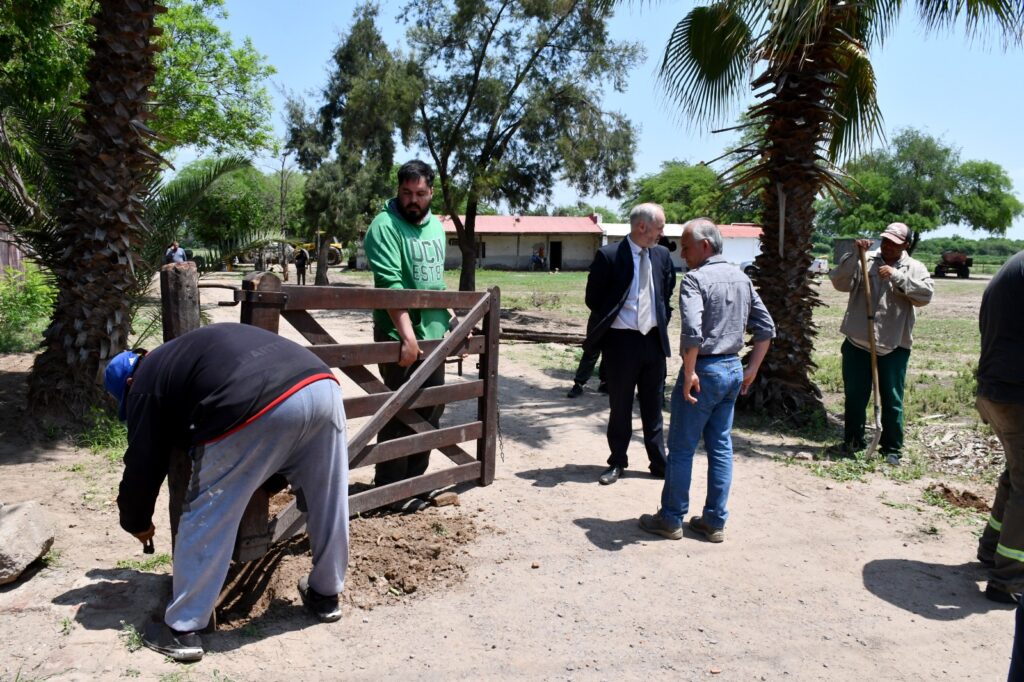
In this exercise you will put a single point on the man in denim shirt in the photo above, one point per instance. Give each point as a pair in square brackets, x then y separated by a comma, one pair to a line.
[718, 304]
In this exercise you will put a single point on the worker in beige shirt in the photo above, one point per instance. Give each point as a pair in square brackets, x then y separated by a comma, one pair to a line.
[899, 284]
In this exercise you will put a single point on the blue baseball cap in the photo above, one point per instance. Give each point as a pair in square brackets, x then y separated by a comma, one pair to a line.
[116, 376]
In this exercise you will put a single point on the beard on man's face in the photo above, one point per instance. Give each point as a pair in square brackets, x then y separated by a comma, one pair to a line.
[412, 211]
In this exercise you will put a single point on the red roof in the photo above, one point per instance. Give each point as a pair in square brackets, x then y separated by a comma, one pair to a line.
[740, 230]
[528, 224]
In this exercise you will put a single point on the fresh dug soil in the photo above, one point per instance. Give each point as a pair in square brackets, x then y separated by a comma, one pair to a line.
[393, 558]
[964, 499]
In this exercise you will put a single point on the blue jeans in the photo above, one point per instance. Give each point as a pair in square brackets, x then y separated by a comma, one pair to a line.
[711, 417]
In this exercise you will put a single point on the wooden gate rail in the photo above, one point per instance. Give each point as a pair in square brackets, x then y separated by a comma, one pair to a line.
[264, 301]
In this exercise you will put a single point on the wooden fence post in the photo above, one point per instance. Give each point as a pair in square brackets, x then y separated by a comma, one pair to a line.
[179, 306]
[487, 404]
[179, 299]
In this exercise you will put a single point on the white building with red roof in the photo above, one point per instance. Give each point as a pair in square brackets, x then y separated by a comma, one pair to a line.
[741, 242]
[511, 242]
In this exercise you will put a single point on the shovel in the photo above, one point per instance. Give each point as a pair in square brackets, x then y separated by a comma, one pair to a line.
[874, 356]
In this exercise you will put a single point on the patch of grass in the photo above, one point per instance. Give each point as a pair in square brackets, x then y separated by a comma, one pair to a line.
[250, 631]
[130, 637]
[176, 676]
[26, 304]
[66, 625]
[935, 394]
[218, 676]
[857, 467]
[131, 672]
[52, 558]
[105, 435]
[843, 470]
[439, 529]
[76, 468]
[149, 564]
[903, 506]
[829, 374]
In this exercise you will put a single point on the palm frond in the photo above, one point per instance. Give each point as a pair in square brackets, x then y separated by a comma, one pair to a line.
[856, 118]
[980, 17]
[706, 61]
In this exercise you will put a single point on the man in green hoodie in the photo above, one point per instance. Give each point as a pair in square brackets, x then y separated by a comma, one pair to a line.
[405, 246]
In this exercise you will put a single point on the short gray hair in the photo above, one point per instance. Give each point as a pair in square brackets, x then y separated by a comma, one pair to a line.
[647, 213]
[705, 228]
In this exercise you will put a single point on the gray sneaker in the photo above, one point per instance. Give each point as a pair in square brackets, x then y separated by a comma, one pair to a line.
[698, 525]
[655, 523]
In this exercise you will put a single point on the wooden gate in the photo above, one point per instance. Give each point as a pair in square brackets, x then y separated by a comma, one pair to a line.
[265, 301]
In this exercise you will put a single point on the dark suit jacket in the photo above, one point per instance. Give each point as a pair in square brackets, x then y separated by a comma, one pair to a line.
[611, 273]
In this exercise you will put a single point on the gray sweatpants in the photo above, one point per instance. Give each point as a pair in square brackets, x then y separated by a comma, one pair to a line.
[305, 439]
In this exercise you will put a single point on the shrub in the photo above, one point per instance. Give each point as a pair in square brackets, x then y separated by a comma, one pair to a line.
[26, 305]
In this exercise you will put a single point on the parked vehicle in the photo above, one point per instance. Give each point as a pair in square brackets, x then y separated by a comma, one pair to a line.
[954, 260]
[334, 252]
[819, 266]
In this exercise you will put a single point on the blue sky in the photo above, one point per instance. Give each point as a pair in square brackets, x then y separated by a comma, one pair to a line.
[970, 95]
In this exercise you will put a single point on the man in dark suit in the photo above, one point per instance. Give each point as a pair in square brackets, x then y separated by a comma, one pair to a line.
[629, 293]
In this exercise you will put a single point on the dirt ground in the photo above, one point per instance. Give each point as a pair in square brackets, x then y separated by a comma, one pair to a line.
[542, 575]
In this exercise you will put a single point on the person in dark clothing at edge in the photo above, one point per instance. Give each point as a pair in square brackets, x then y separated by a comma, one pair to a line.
[405, 246]
[1000, 403]
[247, 404]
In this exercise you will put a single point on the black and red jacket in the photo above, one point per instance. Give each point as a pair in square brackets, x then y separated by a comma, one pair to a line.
[198, 388]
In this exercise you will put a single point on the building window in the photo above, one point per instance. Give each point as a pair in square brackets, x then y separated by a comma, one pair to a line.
[453, 241]
[481, 249]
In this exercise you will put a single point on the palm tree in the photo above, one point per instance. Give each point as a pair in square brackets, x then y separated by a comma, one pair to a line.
[818, 106]
[41, 159]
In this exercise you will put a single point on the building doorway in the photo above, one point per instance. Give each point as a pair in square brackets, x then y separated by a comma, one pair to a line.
[555, 256]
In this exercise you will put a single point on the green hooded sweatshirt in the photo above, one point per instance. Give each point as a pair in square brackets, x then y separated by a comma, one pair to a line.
[407, 256]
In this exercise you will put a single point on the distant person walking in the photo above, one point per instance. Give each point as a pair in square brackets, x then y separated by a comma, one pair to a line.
[174, 253]
[301, 261]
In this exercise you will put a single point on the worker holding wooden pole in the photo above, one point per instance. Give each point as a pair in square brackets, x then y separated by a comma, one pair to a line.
[898, 284]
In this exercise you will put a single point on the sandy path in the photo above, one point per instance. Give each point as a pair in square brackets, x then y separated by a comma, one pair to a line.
[817, 580]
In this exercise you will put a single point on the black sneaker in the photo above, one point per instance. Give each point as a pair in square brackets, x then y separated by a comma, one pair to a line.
[1001, 596]
[184, 647]
[325, 607]
[575, 392]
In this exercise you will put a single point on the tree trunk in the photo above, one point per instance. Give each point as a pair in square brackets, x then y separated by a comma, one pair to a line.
[467, 245]
[796, 115]
[321, 264]
[103, 226]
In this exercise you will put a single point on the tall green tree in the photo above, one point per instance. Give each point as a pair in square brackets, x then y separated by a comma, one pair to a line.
[818, 105]
[512, 103]
[919, 180]
[689, 191]
[208, 92]
[348, 144]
